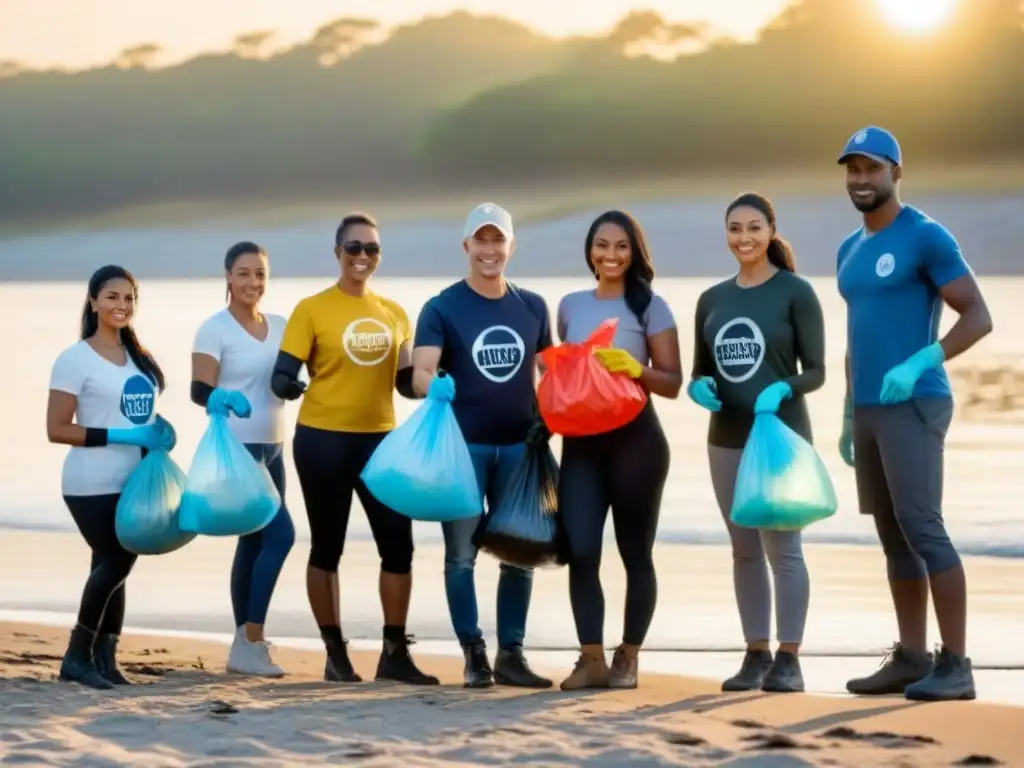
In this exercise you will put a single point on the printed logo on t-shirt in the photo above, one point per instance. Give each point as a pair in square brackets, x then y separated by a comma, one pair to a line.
[885, 265]
[367, 341]
[739, 349]
[498, 353]
[137, 398]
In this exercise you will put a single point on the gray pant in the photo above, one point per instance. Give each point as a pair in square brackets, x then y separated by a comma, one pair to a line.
[898, 460]
[750, 572]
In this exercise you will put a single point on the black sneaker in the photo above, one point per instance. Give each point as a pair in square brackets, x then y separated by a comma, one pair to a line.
[784, 675]
[952, 679]
[104, 652]
[900, 668]
[78, 665]
[338, 668]
[510, 668]
[755, 666]
[478, 672]
[396, 664]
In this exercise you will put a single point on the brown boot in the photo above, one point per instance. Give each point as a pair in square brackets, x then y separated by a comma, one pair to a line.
[591, 671]
[623, 673]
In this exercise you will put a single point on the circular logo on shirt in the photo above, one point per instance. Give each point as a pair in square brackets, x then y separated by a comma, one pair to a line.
[367, 341]
[739, 349]
[498, 353]
[885, 265]
[137, 397]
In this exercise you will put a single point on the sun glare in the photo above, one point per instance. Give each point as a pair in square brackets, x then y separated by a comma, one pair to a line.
[917, 16]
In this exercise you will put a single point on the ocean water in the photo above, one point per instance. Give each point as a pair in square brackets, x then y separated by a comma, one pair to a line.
[985, 448]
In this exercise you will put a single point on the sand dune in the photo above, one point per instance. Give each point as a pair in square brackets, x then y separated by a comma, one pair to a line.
[186, 711]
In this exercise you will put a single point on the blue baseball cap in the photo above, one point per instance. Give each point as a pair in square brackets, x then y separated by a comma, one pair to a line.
[874, 142]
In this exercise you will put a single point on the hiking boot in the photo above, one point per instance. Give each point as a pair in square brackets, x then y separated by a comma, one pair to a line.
[510, 668]
[104, 654]
[951, 679]
[623, 672]
[477, 672]
[591, 671]
[78, 664]
[784, 675]
[752, 672]
[900, 667]
[338, 668]
[396, 664]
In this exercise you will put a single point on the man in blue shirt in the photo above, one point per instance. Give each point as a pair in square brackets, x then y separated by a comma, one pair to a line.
[895, 273]
[485, 333]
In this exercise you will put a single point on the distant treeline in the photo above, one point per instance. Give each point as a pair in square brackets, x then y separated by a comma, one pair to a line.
[469, 98]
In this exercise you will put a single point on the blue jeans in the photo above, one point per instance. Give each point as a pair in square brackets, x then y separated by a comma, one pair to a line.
[494, 464]
[260, 556]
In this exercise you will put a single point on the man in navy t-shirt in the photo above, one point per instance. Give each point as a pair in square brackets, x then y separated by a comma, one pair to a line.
[895, 273]
[485, 334]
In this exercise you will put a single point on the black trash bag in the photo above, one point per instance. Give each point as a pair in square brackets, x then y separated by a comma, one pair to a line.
[523, 529]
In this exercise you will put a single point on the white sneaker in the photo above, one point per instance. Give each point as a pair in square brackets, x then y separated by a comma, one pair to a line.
[252, 658]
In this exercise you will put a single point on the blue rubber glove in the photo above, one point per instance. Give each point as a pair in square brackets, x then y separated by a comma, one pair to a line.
[898, 383]
[704, 392]
[224, 401]
[150, 436]
[771, 397]
[846, 437]
[442, 387]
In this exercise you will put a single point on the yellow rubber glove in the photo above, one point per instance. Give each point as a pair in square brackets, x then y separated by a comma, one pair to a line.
[619, 361]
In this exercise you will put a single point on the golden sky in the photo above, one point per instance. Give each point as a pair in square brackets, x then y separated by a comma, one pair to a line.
[82, 33]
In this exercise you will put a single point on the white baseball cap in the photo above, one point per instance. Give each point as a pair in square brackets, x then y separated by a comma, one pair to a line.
[488, 214]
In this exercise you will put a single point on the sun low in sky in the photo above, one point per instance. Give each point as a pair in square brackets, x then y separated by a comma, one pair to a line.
[918, 16]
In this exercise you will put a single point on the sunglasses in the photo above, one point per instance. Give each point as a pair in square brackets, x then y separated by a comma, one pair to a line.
[355, 247]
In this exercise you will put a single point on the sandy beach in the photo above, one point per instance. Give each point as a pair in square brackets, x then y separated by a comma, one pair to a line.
[186, 711]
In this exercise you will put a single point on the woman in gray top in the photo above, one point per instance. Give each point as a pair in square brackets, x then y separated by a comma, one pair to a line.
[751, 332]
[624, 469]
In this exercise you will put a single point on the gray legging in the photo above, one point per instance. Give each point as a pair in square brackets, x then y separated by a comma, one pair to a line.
[750, 573]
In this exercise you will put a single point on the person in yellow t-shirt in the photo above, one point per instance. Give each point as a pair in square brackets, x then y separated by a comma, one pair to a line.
[357, 349]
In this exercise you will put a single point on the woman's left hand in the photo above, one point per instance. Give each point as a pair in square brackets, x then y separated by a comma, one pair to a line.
[619, 361]
[771, 397]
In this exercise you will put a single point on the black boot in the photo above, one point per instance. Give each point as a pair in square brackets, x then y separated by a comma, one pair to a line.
[78, 665]
[104, 653]
[510, 668]
[478, 673]
[338, 668]
[396, 664]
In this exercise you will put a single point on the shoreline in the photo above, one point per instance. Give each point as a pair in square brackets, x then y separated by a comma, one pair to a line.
[192, 713]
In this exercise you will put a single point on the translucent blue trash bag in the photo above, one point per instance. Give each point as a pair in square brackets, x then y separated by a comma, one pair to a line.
[228, 492]
[146, 521]
[523, 529]
[423, 469]
[782, 483]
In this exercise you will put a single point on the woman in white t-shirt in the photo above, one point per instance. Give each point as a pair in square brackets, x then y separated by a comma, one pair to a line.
[232, 361]
[103, 393]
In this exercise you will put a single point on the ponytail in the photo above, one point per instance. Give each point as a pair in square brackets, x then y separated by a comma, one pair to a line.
[780, 254]
[139, 355]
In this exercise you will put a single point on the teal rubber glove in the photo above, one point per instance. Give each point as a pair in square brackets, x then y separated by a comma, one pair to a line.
[704, 392]
[150, 436]
[442, 387]
[225, 401]
[846, 437]
[771, 397]
[898, 384]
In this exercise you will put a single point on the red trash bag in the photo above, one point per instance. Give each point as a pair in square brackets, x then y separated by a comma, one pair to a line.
[578, 396]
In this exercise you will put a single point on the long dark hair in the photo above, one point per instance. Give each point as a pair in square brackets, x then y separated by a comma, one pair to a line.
[90, 323]
[640, 275]
[780, 253]
[235, 252]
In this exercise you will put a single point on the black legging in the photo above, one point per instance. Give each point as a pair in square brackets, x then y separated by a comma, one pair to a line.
[625, 469]
[102, 607]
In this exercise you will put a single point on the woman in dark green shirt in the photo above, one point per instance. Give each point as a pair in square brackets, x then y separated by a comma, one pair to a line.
[759, 348]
